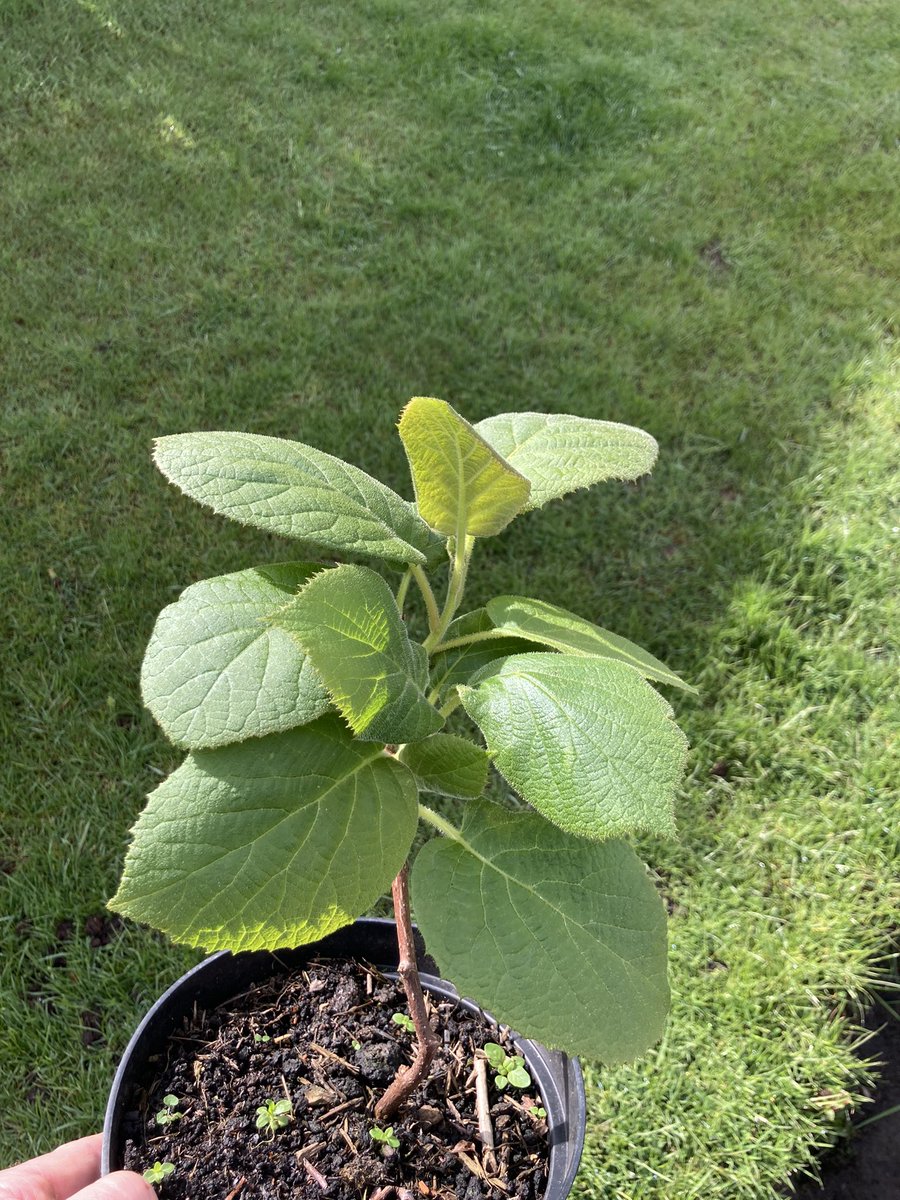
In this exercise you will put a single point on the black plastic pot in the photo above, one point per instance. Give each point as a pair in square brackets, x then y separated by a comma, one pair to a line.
[224, 975]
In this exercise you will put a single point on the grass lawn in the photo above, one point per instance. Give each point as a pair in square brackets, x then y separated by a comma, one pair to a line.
[290, 218]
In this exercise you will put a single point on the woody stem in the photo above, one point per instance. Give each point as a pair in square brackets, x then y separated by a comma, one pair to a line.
[408, 1078]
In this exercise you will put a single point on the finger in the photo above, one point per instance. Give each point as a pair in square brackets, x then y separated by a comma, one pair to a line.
[121, 1185]
[54, 1176]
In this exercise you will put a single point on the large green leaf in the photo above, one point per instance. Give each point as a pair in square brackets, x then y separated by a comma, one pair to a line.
[560, 453]
[214, 673]
[460, 663]
[448, 765]
[348, 623]
[586, 741]
[520, 616]
[463, 487]
[561, 938]
[270, 843]
[293, 489]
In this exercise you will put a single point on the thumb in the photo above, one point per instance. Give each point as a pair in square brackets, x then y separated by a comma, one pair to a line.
[120, 1185]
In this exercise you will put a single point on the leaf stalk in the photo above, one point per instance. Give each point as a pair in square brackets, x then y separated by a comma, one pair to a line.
[470, 639]
[461, 553]
[431, 605]
[403, 588]
[440, 823]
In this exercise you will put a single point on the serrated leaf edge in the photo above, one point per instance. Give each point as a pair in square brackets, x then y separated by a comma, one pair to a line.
[419, 558]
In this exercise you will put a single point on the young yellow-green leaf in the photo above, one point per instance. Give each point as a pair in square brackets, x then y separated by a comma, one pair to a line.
[537, 621]
[270, 843]
[448, 765]
[586, 741]
[348, 623]
[560, 453]
[460, 663]
[561, 938]
[214, 673]
[293, 489]
[463, 486]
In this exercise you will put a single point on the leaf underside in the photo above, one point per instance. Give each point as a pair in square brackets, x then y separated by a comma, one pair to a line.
[289, 488]
[586, 741]
[447, 765]
[463, 487]
[560, 938]
[272, 843]
[537, 621]
[559, 453]
[214, 673]
[348, 623]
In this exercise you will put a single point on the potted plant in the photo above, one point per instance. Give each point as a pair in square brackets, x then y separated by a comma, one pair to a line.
[314, 723]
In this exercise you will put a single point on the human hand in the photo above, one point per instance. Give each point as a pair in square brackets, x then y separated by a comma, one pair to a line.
[71, 1173]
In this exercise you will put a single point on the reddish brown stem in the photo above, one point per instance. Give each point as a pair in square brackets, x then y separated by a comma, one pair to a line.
[408, 1078]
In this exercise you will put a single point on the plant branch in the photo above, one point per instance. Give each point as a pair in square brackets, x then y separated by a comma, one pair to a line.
[408, 1078]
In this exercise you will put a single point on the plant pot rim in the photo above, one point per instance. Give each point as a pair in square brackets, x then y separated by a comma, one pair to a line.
[559, 1077]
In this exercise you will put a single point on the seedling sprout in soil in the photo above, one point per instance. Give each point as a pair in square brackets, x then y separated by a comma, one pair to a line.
[314, 722]
[404, 1022]
[509, 1069]
[167, 1115]
[272, 1115]
[387, 1136]
[159, 1171]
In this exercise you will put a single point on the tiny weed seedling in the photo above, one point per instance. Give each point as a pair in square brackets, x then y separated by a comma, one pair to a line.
[159, 1171]
[404, 1022]
[274, 1114]
[537, 1111]
[386, 1136]
[509, 1069]
[314, 722]
[261, 1037]
[167, 1115]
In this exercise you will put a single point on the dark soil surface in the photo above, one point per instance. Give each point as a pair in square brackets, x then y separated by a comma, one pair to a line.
[866, 1166]
[325, 1041]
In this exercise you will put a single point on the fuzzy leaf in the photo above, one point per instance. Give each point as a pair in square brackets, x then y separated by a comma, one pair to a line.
[463, 487]
[270, 843]
[586, 741]
[560, 453]
[460, 663]
[293, 489]
[561, 938]
[522, 617]
[348, 623]
[214, 673]
[448, 765]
